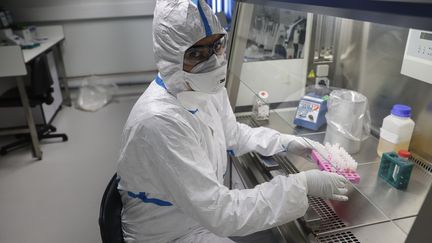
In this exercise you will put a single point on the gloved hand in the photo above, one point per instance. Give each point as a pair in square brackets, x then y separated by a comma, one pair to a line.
[326, 185]
[298, 145]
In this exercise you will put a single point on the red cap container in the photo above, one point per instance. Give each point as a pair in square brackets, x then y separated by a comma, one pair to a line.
[404, 153]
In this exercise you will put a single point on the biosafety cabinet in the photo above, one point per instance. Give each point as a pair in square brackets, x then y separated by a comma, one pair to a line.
[280, 50]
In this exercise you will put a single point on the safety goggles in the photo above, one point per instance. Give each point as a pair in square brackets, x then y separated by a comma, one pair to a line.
[200, 53]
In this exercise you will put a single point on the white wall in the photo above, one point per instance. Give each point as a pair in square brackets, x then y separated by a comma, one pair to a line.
[55, 10]
[102, 36]
[108, 46]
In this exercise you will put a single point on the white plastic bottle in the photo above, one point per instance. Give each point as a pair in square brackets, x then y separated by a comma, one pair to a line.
[260, 109]
[396, 131]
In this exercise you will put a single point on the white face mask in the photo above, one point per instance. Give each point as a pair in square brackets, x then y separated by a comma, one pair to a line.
[212, 63]
[208, 76]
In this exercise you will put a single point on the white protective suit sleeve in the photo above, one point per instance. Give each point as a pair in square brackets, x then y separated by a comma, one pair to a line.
[187, 174]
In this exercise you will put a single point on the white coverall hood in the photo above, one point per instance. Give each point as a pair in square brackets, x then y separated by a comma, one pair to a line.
[177, 25]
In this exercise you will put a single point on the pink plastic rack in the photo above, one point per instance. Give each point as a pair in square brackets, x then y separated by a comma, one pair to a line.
[324, 165]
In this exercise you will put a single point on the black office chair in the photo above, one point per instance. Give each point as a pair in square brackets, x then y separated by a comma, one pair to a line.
[39, 92]
[110, 214]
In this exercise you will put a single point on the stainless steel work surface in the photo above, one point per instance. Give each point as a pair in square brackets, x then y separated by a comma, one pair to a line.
[393, 202]
[377, 233]
[357, 210]
[405, 224]
[373, 207]
[384, 232]
[368, 151]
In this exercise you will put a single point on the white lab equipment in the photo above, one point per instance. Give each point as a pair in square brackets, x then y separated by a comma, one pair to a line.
[417, 61]
[396, 131]
[7, 35]
[322, 72]
[296, 36]
[280, 33]
[291, 27]
[260, 108]
[25, 33]
[270, 37]
[3, 20]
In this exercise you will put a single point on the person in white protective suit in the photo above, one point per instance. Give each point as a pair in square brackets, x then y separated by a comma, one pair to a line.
[175, 142]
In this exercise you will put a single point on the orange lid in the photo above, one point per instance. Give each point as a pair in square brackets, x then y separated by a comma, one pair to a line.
[404, 153]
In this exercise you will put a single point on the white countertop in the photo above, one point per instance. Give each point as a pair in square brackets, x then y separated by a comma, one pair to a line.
[11, 62]
[13, 59]
[53, 33]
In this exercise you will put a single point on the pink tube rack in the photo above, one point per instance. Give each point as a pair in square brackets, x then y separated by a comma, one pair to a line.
[324, 165]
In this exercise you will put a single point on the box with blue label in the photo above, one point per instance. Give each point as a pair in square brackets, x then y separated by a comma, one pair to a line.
[311, 112]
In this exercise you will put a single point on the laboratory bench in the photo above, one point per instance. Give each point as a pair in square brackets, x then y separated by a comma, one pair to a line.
[375, 211]
[13, 64]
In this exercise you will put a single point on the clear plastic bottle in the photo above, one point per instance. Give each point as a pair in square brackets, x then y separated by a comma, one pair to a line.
[260, 109]
[396, 131]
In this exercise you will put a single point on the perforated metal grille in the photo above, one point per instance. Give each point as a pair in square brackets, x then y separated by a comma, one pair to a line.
[247, 119]
[422, 163]
[341, 237]
[284, 163]
[329, 219]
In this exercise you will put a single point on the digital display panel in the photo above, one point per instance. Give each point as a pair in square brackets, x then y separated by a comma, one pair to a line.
[426, 36]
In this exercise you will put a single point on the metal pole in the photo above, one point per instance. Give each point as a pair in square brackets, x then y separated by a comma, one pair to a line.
[62, 71]
[29, 117]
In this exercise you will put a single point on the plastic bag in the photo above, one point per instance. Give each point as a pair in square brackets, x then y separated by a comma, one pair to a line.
[95, 93]
[348, 119]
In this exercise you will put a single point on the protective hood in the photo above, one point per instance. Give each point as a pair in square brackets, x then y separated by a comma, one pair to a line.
[177, 25]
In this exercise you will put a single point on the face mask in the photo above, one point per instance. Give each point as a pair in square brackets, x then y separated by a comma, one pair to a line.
[212, 63]
[209, 76]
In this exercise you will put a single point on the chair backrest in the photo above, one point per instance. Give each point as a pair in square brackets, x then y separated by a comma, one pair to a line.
[110, 214]
[41, 79]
